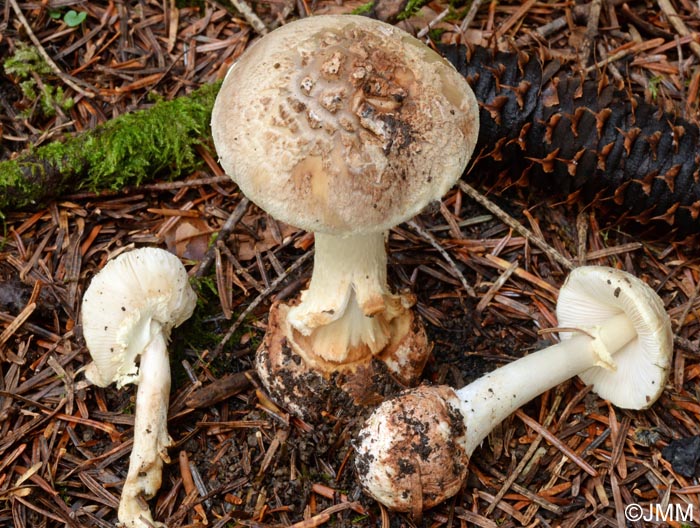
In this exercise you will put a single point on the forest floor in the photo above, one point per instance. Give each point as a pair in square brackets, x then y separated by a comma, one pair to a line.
[484, 290]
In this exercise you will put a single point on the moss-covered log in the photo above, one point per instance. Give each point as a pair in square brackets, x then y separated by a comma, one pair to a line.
[127, 150]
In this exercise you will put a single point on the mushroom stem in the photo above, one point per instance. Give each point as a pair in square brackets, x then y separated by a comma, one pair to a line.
[151, 438]
[347, 301]
[487, 401]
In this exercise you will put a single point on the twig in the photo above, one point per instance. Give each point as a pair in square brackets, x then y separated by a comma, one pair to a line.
[591, 30]
[423, 32]
[260, 298]
[433, 242]
[648, 27]
[551, 27]
[495, 287]
[515, 17]
[224, 232]
[335, 495]
[250, 17]
[690, 346]
[218, 390]
[161, 186]
[47, 58]
[515, 225]
[522, 273]
[476, 4]
[677, 22]
[325, 515]
[614, 250]
[623, 52]
[188, 484]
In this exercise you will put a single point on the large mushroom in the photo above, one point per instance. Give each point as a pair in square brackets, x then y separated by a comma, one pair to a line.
[413, 451]
[344, 126]
[128, 311]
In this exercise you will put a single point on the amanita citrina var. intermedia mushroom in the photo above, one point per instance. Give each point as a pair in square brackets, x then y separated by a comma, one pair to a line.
[128, 311]
[413, 451]
[344, 126]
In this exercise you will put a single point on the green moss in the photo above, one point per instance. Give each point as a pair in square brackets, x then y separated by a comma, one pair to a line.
[204, 330]
[412, 7]
[654, 84]
[25, 61]
[25, 65]
[200, 332]
[435, 34]
[52, 97]
[364, 9]
[127, 150]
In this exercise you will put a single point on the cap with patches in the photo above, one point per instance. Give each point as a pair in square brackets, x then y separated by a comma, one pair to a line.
[342, 124]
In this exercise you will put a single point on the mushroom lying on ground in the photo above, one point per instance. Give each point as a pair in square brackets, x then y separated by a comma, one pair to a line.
[413, 451]
[344, 126]
[128, 311]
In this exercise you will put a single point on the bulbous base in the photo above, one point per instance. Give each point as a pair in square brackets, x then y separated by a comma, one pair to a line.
[410, 453]
[307, 385]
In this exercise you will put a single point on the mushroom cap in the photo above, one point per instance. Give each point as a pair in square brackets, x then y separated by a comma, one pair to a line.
[342, 124]
[593, 295]
[136, 294]
[411, 452]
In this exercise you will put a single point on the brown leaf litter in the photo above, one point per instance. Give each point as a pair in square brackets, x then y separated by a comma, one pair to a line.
[485, 286]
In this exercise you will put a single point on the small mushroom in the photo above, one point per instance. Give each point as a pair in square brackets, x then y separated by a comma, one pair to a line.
[128, 312]
[413, 451]
[344, 126]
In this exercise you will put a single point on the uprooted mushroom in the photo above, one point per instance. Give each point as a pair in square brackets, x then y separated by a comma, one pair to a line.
[344, 126]
[414, 450]
[128, 311]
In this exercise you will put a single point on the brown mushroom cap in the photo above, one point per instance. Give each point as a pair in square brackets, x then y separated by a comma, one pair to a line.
[342, 124]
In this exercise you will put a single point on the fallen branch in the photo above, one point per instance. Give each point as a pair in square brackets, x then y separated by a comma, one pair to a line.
[126, 150]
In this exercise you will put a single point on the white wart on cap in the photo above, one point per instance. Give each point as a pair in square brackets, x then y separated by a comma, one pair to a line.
[342, 124]
[594, 295]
